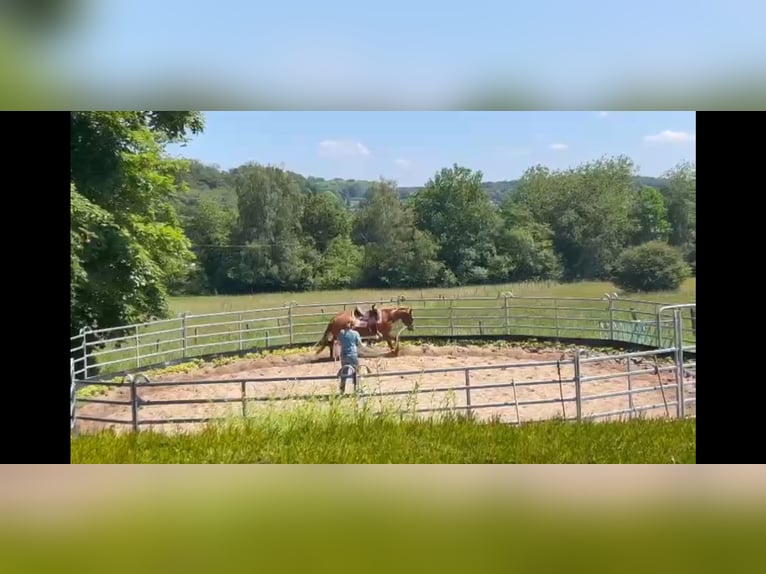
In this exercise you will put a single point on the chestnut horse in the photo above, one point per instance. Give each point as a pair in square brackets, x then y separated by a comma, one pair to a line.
[387, 316]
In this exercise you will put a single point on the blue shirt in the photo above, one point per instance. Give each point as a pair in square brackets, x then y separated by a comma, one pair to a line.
[349, 343]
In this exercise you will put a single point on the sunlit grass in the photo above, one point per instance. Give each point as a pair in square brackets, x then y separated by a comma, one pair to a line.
[222, 303]
[349, 432]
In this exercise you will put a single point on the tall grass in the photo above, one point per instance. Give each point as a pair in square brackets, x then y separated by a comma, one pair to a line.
[351, 432]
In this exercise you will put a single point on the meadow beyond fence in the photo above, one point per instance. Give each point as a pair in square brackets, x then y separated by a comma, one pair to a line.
[664, 333]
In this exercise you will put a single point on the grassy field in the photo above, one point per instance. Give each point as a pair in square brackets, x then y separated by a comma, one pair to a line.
[228, 303]
[479, 310]
[338, 434]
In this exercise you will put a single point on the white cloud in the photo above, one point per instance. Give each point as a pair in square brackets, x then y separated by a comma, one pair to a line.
[342, 148]
[558, 146]
[669, 136]
[603, 114]
[404, 163]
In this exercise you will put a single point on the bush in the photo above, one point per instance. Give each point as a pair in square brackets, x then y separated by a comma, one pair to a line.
[651, 266]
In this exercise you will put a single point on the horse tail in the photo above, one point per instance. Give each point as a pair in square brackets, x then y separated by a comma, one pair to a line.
[324, 341]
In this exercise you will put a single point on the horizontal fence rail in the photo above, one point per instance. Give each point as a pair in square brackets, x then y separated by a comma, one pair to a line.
[98, 355]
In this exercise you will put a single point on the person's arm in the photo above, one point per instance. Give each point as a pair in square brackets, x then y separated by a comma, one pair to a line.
[358, 338]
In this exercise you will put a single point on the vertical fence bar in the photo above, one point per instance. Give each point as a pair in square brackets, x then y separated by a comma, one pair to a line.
[133, 402]
[239, 331]
[678, 331]
[244, 398]
[578, 384]
[290, 322]
[659, 326]
[84, 332]
[630, 388]
[73, 399]
[184, 333]
[468, 390]
[138, 348]
[451, 323]
[556, 317]
[507, 319]
[693, 313]
[611, 318]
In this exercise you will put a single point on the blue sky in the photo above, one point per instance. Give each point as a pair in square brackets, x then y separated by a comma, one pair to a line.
[410, 147]
[418, 50]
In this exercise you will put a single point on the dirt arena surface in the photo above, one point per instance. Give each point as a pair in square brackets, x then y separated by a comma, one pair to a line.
[411, 358]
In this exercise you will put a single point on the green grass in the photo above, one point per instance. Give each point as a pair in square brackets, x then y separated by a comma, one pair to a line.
[339, 433]
[226, 303]
[263, 329]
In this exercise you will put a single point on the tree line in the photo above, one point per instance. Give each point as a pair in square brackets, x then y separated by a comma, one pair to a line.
[144, 226]
[279, 232]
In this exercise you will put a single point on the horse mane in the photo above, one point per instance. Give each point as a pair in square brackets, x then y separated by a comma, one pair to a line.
[395, 310]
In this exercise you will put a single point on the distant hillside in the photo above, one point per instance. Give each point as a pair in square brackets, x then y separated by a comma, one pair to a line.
[211, 182]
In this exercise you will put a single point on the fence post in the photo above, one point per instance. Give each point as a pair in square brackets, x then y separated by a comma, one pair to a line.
[611, 318]
[451, 323]
[578, 384]
[505, 311]
[693, 313]
[290, 321]
[659, 326]
[133, 402]
[679, 356]
[138, 349]
[468, 390]
[630, 389]
[73, 399]
[84, 332]
[244, 399]
[184, 334]
[556, 317]
[239, 329]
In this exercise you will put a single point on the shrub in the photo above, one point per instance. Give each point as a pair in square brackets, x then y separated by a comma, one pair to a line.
[651, 266]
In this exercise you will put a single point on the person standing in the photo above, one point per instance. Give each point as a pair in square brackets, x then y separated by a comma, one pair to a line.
[350, 342]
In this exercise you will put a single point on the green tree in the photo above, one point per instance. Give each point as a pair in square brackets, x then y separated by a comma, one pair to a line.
[524, 247]
[396, 253]
[127, 245]
[456, 211]
[587, 208]
[651, 215]
[275, 255]
[325, 218]
[340, 266]
[210, 230]
[681, 198]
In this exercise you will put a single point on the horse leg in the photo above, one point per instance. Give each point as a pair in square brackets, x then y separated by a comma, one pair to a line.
[387, 337]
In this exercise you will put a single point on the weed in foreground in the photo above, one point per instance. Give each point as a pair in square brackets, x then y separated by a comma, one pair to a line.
[352, 429]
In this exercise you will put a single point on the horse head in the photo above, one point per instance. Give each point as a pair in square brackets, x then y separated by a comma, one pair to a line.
[405, 314]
